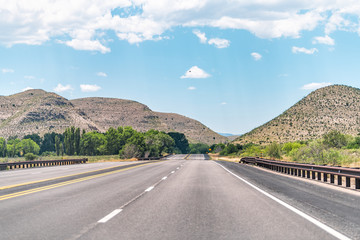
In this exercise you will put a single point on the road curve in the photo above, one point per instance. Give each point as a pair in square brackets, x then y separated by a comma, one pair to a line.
[180, 198]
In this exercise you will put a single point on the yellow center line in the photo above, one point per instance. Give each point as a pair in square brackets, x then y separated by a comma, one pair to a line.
[187, 157]
[71, 175]
[39, 189]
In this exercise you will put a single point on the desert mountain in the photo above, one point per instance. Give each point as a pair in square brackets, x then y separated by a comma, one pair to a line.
[38, 111]
[112, 112]
[336, 107]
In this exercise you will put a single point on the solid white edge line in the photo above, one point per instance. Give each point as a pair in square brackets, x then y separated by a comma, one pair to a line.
[110, 216]
[149, 189]
[326, 228]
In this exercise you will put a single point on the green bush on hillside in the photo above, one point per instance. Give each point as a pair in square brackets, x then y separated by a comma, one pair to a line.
[30, 156]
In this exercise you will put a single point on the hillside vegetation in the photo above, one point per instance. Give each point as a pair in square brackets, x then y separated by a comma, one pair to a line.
[335, 107]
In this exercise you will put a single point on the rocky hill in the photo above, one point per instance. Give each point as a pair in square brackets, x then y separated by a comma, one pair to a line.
[38, 111]
[335, 107]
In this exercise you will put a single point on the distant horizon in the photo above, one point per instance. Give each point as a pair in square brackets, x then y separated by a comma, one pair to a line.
[225, 134]
[230, 65]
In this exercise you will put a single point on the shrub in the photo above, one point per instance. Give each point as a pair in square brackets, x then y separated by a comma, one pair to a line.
[30, 156]
[291, 146]
[334, 139]
[273, 150]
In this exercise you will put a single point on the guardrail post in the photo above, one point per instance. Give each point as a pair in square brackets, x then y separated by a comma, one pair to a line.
[357, 183]
[325, 177]
[348, 182]
[339, 180]
[332, 178]
[313, 175]
[307, 174]
[319, 176]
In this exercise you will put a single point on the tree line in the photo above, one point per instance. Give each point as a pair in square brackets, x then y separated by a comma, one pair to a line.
[125, 141]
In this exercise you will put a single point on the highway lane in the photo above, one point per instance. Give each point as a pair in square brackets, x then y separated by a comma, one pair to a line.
[174, 199]
[18, 176]
[337, 207]
[63, 212]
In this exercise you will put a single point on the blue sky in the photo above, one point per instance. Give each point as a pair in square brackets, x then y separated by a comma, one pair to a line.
[233, 65]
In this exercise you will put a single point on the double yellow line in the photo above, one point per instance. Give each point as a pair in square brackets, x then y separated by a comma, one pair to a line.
[39, 189]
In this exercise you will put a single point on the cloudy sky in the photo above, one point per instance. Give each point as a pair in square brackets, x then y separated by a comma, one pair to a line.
[232, 65]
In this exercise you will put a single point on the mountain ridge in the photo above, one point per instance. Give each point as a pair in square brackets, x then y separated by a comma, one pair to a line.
[39, 111]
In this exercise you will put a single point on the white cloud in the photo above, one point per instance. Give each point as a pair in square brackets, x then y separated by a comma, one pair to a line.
[201, 36]
[7, 70]
[61, 88]
[101, 74]
[29, 77]
[219, 42]
[86, 25]
[304, 50]
[192, 88]
[256, 56]
[89, 88]
[314, 86]
[195, 72]
[27, 88]
[84, 44]
[223, 103]
[324, 40]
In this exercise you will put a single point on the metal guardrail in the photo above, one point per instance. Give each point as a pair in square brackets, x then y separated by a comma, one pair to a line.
[31, 164]
[311, 171]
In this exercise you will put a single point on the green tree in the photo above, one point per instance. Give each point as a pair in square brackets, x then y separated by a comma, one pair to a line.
[92, 143]
[48, 142]
[130, 151]
[355, 144]
[229, 149]
[61, 150]
[334, 139]
[126, 133]
[2, 147]
[77, 139]
[199, 148]
[69, 140]
[181, 143]
[28, 146]
[35, 137]
[57, 145]
[13, 147]
[135, 146]
[113, 141]
[157, 143]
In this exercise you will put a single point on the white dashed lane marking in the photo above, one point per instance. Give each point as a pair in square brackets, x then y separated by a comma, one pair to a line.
[110, 216]
[117, 211]
[149, 189]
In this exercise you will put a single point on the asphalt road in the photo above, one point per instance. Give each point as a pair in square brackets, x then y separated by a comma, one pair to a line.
[180, 198]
